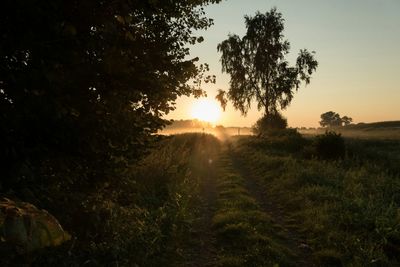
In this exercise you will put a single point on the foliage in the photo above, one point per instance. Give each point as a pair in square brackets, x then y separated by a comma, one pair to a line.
[333, 119]
[258, 67]
[268, 123]
[330, 146]
[330, 119]
[143, 218]
[280, 142]
[221, 98]
[84, 86]
[346, 120]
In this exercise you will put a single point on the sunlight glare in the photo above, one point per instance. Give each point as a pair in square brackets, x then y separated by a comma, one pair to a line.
[206, 110]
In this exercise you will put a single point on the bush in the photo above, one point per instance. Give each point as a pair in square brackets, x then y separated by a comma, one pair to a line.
[280, 141]
[271, 122]
[330, 146]
[288, 140]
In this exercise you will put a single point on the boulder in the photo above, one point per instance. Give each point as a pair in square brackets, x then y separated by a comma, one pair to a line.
[29, 228]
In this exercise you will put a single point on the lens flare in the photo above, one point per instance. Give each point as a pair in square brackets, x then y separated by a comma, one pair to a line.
[206, 110]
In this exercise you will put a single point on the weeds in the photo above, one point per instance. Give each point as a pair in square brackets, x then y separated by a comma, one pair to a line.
[145, 218]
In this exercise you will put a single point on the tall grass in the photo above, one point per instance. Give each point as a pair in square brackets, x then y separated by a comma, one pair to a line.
[245, 233]
[146, 216]
[348, 210]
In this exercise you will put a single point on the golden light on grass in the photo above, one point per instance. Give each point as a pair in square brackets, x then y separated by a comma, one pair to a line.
[206, 110]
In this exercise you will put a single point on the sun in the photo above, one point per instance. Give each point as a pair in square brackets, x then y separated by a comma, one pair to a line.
[206, 110]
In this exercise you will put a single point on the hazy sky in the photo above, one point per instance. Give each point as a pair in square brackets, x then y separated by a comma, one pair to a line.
[357, 44]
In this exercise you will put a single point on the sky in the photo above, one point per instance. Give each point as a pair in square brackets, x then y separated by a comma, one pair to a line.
[357, 45]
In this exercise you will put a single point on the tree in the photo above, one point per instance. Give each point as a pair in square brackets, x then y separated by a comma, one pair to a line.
[258, 67]
[274, 121]
[333, 119]
[91, 80]
[84, 86]
[330, 119]
[346, 120]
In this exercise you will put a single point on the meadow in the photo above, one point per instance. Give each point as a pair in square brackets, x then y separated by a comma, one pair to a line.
[275, 200]
[345, 210]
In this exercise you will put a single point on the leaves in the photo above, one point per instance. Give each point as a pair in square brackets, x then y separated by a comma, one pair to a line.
[221, 98]
[133, 53]
[258, 68]
[333, 119]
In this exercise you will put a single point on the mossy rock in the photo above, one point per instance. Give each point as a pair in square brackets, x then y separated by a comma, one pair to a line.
[29, 228]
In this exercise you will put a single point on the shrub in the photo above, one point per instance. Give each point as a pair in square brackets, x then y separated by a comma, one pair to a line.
[280, 141]
[330, 146]
[271, 122]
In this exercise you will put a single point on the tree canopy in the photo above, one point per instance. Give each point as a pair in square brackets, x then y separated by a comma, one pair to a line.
[346, 120]
[258, 66]
[92, 79]
[333, 119]
[274, 121]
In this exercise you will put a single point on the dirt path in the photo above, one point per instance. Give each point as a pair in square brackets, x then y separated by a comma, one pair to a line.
[202, 252]
[291, 238]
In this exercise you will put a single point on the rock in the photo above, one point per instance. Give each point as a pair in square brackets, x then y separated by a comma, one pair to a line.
[29, 228]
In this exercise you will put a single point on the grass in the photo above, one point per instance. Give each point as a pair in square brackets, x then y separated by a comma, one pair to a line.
[345, 212]
[346, 209]
[148, 215]
[244, 232]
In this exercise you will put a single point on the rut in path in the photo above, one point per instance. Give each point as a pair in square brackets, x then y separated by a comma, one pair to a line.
[202, 252]
[292, 239]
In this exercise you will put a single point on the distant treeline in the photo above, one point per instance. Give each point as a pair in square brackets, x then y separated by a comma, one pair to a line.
[361, 126]
[381, 130]
[188, 124]
[381, 124]
[385, 127]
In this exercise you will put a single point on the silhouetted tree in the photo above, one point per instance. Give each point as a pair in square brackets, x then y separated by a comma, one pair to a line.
[330, 119]
[274, 121]
[333, 119]
[346, 120]
[258, 67]
[92, 79]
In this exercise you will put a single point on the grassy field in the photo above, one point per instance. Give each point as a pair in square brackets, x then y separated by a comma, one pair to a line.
[247, 201]
[269, 202]
[347, 211]
[153, 215]
[246, 234]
